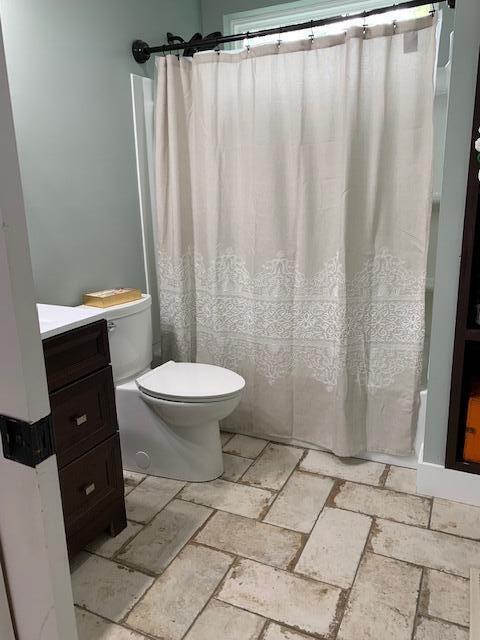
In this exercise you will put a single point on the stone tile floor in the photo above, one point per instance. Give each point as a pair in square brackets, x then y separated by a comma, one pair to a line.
[290, 544]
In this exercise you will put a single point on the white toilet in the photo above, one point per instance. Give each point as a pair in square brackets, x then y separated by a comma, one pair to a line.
[168, 416]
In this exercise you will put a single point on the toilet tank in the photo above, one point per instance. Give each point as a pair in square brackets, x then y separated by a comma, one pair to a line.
[130, 337]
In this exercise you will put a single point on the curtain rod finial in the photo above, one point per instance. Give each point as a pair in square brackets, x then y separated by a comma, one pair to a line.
[140, 51]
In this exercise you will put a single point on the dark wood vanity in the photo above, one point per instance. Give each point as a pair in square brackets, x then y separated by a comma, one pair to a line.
[82, 400]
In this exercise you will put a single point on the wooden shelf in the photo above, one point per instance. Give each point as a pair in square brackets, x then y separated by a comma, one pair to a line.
[466, 351]
[466, 467]
[472, 335]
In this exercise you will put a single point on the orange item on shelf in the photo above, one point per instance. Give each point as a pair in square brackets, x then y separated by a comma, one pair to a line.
[471, 448]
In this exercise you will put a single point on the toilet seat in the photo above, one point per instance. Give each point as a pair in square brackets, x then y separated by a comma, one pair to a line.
[190, 382]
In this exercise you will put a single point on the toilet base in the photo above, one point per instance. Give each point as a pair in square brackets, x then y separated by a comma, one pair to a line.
[150, 445]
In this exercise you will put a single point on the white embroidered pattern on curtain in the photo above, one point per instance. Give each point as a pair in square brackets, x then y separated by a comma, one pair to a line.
[293, 190]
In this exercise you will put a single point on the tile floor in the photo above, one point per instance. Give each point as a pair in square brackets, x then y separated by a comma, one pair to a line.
[290, 544]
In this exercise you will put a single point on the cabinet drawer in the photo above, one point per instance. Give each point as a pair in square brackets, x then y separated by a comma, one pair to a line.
[75, 354]
[91, 484]
[83, 415]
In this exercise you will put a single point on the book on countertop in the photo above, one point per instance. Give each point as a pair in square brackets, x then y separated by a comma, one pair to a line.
[111, 297]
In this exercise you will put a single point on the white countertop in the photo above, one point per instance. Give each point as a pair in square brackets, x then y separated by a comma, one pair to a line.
[55, 319]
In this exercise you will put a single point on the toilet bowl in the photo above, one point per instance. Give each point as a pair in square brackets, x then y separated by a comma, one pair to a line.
[169, 415]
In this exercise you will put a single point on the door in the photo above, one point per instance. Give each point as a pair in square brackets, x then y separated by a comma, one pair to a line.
[35, 589]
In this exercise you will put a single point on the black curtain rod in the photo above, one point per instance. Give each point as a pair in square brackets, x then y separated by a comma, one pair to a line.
[142, 51]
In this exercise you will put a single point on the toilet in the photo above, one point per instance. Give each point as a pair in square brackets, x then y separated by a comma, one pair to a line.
[168, 416]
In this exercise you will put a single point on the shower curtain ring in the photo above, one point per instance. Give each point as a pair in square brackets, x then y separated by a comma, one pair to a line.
[432, 10]
[364, 23]
[312, 35]
[247, 43]
[279, 41]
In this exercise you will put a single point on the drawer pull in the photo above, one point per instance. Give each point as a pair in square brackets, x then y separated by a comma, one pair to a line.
[90, 488]
[79, 420]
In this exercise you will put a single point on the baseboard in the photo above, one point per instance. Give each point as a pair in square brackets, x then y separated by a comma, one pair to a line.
[410, 462]
[437, 481]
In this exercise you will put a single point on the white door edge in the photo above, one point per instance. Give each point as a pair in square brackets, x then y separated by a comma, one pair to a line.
[33, 546]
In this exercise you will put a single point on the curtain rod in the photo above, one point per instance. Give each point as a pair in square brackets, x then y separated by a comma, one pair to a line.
[142, 51]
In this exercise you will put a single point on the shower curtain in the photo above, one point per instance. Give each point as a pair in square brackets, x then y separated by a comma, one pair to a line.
[293, 197]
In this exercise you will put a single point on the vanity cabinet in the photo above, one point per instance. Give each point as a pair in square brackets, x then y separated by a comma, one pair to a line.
[84, 418]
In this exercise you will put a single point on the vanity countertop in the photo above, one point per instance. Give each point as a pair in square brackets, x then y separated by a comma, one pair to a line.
[55, 319]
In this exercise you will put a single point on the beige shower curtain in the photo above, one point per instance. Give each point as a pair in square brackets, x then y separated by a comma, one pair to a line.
[293, 189]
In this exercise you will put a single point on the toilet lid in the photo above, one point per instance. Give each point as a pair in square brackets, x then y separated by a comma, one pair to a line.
[190, 382]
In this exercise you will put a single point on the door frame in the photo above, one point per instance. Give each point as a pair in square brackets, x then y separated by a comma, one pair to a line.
[32, 538]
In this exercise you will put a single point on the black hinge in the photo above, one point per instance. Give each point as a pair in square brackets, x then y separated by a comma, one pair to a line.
[28, 444]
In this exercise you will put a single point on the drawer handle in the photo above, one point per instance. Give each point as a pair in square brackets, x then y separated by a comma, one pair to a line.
[79, 420]
[90, 488]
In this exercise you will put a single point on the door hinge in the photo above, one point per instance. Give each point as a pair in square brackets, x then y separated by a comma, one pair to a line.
[25, 443]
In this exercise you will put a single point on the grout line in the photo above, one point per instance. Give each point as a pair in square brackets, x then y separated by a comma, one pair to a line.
[437, 619]
[239, 558]
[267, 524]
[285, 443]
[252, 461]
[416, 616]
[279, 491]
[235, 453]
[211, 597]
[229, 433]
[383, 478]
[474, 603]
[121, 625]
[307, 535]
[175, 497]
[324, 474]
[418, 566]
[348, 592]
[263, 630]
[238, 455]
[430, 516]
[381, 517]
[190, 540]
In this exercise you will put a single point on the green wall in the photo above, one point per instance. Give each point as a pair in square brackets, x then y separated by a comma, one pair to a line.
[69, 64]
